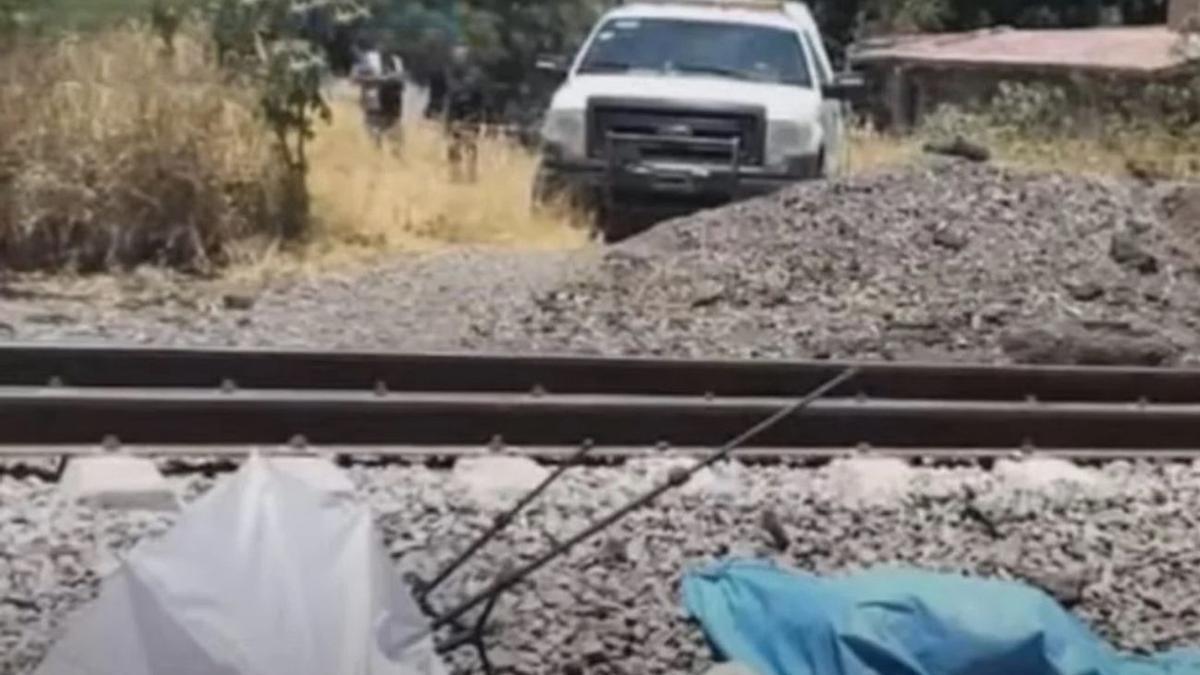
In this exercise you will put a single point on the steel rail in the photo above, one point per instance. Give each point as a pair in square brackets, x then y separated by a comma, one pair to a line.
[61, 415]
[563, 455]
[86, 365]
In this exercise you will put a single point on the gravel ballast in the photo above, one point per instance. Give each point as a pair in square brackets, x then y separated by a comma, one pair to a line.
[940, 261]
[421, 301]
[1117, 544]
[949, 260]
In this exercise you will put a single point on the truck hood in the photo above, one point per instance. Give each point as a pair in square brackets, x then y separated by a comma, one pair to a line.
[780, 101]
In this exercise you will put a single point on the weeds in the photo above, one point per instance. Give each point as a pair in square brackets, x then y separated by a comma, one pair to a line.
[1150, 133]
[200, 143]
[113, 154]
[870, 148]
[402, 196]
[16, 17]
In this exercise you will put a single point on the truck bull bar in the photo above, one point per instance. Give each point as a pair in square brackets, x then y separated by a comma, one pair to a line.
[625, 163]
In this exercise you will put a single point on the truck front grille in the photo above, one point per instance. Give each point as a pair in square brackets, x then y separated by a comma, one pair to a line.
[678, 131]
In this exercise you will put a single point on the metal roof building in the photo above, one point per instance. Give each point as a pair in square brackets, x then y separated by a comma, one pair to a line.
[913, 74]
[1135, 49]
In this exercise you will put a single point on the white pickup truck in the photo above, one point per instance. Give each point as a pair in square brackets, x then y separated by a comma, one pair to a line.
[694, 100]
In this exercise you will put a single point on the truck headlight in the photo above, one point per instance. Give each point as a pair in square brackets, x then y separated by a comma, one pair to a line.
[565, 131]
[787, 139]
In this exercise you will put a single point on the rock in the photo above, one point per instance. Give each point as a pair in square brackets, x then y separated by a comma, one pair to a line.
[49, 318]
[238, 301]
[1084, 291]
[503, 660]
[1182, 207]
[594, 652]
[1047, 473]
[870, 480]
[708, 294]
[498, 479]
[1065, 586]
[1118, 350]
[1127, 252]
[950, 238]
[960, 147]
[1145, 171]
[996, 313]
[1069, 344]
[775, 530]
[117, 482]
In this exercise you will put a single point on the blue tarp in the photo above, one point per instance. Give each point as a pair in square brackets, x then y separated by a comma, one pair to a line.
[899, 622]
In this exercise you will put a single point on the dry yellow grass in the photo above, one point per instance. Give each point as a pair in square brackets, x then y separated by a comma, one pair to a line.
[401, 196]
[1147, 154]
[112, 154]
[871, 149]
[1152, 154]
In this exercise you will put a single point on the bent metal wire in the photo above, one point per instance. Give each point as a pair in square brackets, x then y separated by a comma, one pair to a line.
[474, 635]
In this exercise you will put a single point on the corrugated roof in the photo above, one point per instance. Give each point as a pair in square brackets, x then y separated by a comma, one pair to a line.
[1130, 48]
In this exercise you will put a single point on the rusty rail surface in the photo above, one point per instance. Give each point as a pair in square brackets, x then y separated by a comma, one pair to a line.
[215, 401]
[88, 366]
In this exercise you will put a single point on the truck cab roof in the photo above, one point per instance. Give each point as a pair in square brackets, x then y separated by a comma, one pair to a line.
[774, 14]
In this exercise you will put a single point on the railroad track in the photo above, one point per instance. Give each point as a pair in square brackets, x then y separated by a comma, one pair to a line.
[69, 399]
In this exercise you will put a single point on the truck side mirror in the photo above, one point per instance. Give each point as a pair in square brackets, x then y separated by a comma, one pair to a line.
[553, 63]
[845, 86]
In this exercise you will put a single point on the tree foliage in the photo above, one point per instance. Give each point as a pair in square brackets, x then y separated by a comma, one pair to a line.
[846, 19]
[280, 46]
[279, 43]
[15, 17]
[507, 36]
[504, 37]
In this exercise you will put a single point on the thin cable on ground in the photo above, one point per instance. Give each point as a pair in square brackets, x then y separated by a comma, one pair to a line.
[676, 479]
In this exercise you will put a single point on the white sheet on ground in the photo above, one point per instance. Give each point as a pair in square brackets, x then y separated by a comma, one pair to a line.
[266, 574]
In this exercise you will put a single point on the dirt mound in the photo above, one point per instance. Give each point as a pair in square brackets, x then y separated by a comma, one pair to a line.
[945, 260]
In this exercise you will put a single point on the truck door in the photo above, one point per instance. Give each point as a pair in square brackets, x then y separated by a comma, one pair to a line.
[833, 118]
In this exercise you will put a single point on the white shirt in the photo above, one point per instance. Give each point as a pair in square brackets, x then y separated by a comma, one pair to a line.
[371, 64]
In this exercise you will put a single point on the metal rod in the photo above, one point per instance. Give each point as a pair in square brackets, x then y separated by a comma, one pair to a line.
[507, 581]
[480, 624]
[503, 520]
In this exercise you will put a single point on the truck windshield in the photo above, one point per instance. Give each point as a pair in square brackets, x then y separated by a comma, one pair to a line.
[734, 50]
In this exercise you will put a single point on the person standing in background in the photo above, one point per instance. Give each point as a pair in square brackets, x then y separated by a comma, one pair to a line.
[464, 111]
[380, 76]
